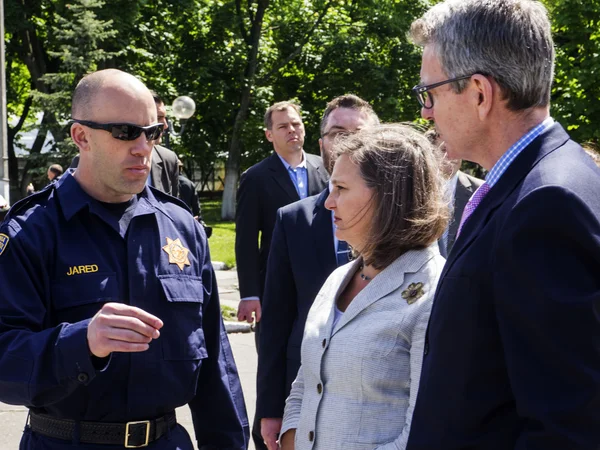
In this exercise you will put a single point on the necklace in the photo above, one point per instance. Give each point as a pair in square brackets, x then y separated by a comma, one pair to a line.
[362, 275]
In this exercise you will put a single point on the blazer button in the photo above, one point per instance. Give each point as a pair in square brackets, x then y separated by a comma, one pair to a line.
[311, 436]
[324, 342]
[426, 349]
[82, 377]
[319, 388]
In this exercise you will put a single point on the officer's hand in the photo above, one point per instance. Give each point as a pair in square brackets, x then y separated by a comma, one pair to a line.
[246, 308]
[269, 429]
[121, 328]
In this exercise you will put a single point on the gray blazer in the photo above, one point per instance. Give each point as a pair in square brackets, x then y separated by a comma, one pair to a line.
[165, 170]
[358, 383]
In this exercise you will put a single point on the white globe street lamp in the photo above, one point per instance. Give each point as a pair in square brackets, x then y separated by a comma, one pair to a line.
[183, 108]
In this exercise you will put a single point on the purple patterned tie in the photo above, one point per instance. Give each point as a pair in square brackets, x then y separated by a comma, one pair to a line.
[472, 204]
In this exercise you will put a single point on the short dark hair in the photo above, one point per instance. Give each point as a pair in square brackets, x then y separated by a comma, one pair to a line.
[280, 106]
[402, 168]
[349, 101]
[56, 169]
[157, 98]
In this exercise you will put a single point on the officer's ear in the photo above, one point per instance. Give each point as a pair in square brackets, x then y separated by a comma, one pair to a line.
[80, 136]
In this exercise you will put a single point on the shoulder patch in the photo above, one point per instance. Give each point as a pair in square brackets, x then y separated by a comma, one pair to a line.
[3, 242]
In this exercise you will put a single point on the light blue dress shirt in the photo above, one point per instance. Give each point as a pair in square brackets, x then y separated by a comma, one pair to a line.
[511, 154]
[298, 175]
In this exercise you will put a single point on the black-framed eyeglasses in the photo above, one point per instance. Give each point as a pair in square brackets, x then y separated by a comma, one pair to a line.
[422, 92]
[125, 131]
[335, 132]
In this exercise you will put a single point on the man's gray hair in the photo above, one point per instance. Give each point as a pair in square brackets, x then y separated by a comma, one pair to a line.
[509, 40]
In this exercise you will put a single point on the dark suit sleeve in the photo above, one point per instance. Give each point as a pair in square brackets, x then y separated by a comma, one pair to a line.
[548, 302]
[195, 204]
[247, 230]
[279, 311]
[172, 169]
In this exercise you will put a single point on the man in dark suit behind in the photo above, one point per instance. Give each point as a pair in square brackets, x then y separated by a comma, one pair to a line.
[459, 189]
[303, 254]
[164, 172]
[512, 351]
[264, 188]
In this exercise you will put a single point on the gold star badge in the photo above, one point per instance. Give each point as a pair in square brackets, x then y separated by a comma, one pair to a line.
[178, 254]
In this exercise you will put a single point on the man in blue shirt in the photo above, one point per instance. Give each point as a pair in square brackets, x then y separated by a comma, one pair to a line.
[286, 176]
[109, 310]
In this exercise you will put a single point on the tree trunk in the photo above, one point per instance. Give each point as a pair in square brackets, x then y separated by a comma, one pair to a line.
[232, 167]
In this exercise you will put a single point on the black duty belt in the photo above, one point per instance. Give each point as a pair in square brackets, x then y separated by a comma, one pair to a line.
[131, 434]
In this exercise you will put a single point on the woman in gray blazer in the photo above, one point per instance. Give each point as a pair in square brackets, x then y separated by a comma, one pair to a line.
[365, 334]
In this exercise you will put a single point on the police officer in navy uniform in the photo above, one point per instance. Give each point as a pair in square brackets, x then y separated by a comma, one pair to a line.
[109, 308]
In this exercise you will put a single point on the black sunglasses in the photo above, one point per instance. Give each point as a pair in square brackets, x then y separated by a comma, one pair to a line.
[125, 131]
[422, 92]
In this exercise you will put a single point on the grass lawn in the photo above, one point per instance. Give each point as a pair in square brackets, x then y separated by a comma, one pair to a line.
[222, 241]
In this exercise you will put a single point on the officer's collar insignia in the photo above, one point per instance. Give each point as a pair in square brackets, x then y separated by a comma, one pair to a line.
[178, 254]
[3, 242]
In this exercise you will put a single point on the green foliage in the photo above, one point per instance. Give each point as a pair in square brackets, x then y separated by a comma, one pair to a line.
[79, 36]
[228, 313]
[576, 92]
[222, 241]
[310, 50]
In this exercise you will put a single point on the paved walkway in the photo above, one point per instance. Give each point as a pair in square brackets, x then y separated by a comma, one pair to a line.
[12, 418]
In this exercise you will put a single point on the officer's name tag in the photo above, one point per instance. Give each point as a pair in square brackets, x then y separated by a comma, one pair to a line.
[76, 270]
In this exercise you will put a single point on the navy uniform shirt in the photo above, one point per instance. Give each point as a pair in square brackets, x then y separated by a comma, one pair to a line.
[62, 256]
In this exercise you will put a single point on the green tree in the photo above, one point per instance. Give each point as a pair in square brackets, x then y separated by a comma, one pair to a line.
[576, 91]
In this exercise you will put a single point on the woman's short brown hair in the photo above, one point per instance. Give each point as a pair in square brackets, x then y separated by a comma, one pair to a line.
[402, 168]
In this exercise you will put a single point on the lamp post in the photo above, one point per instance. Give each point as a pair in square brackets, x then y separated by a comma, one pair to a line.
[4, 182]
[183, 108]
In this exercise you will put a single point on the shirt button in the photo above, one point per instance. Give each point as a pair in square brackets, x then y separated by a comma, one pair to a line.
[319, 388]
[311, 436]
[82, 377]
[324, 342]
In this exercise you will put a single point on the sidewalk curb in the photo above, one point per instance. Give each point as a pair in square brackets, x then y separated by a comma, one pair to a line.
[238, 327]
[218, 265]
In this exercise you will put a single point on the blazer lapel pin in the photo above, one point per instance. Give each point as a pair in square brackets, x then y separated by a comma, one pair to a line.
[413, 292]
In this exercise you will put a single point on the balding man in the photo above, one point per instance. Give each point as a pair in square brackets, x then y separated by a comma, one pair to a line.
[109, 314]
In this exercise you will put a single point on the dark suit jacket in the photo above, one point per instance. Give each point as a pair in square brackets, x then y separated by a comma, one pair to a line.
[302, 256]
[165, 170]
[264, 188]
[466, 185]
[512, 353]
[187, 193]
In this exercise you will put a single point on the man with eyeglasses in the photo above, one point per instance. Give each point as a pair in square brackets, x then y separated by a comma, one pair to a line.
[304, 251]
[109, 314]
[512, 350]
